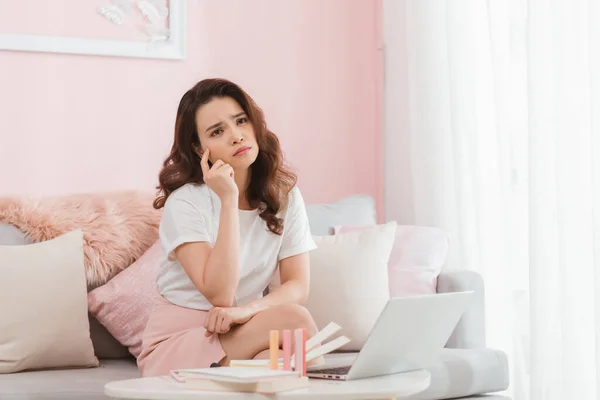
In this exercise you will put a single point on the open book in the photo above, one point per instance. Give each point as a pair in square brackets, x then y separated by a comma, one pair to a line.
[316, 347]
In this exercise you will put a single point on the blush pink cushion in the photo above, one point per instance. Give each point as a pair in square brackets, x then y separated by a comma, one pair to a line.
[123, 305]
[417, 258]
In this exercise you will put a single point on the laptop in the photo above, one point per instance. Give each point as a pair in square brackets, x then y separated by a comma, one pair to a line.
[408, 335]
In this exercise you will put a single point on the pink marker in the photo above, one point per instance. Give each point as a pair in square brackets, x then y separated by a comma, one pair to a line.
[300, 351]
[287, 350]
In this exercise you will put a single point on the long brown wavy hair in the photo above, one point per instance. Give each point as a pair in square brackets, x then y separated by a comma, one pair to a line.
[270, 179]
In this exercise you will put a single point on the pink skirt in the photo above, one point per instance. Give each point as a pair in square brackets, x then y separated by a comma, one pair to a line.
[174, 338]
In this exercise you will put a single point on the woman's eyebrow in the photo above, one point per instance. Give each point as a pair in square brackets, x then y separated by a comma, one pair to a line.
[214, 126]
[221, 122]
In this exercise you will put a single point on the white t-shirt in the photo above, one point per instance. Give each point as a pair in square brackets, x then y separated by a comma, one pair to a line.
[191, 214]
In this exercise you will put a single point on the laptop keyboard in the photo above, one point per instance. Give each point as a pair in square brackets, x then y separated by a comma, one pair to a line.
[334, 370]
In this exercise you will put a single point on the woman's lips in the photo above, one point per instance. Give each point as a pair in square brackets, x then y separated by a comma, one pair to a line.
[241, 150]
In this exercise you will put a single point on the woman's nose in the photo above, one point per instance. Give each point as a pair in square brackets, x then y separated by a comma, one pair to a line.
[237, 136]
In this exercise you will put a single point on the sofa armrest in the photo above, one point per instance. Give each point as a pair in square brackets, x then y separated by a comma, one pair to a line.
[469, 333]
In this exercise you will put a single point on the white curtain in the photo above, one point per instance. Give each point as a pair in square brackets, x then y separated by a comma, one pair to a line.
[492, 132]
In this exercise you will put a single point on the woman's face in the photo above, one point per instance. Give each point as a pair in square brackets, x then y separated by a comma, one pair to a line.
[223, 128]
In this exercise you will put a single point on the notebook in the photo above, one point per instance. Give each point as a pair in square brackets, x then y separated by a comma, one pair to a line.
[264, 387]
[239, 379]
[233, 374]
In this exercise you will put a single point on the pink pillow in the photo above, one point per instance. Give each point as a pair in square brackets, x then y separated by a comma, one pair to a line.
[124, 303]
[416, 261]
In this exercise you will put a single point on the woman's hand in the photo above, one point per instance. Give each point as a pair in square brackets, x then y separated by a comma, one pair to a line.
[219, 178]
[221, 319]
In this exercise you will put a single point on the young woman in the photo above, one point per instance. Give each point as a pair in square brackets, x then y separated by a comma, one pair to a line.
[232, 219]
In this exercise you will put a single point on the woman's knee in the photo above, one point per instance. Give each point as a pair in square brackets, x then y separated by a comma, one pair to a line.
[247, 340]
[294, 316]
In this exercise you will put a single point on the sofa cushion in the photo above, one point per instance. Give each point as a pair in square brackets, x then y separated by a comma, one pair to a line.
[350, 210]
[105, 346]
[43, 300]
[417, 258]
[124, 304]
[73, 384]
[354, 266]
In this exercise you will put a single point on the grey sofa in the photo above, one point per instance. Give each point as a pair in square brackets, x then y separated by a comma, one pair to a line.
[465, 368]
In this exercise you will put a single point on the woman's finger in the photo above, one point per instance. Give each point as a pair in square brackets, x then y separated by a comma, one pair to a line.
[212, 323]
[217, 326]
[210, 316]
[227, 170]
[225, 324]
[220, 323]
[204, 163]
[218, 164]
[207, 319]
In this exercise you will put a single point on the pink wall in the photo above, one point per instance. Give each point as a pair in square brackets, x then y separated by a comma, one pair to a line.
[74, 123]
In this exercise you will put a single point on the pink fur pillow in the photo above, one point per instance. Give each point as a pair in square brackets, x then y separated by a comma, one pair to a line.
[416, 260]
[118, 227]
[123, 305]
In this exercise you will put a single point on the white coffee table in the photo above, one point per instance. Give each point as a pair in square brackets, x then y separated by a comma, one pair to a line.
[384, 387]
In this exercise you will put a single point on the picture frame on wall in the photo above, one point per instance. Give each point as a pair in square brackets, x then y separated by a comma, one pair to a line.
[163, 23]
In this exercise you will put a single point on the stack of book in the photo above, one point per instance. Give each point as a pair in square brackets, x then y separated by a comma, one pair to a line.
[272, 375]
[240, 379]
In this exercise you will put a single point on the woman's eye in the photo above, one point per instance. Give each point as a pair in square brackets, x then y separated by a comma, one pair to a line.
[242, 120]
[216, 132]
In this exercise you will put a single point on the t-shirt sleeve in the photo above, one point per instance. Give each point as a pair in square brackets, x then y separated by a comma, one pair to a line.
[182, 222]
[297, 238]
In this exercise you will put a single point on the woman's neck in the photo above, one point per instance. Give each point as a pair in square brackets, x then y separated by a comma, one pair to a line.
[242, 180]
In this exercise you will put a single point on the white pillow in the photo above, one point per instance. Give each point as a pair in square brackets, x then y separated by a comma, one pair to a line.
[43, 306]
[351, 210]
[349, 280]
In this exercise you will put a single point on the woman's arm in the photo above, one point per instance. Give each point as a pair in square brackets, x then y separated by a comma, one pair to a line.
[223, 265]
[294, 264]
[295, 282]
[215, 271]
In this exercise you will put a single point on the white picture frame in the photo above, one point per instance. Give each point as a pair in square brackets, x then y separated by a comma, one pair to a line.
[173, 48]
